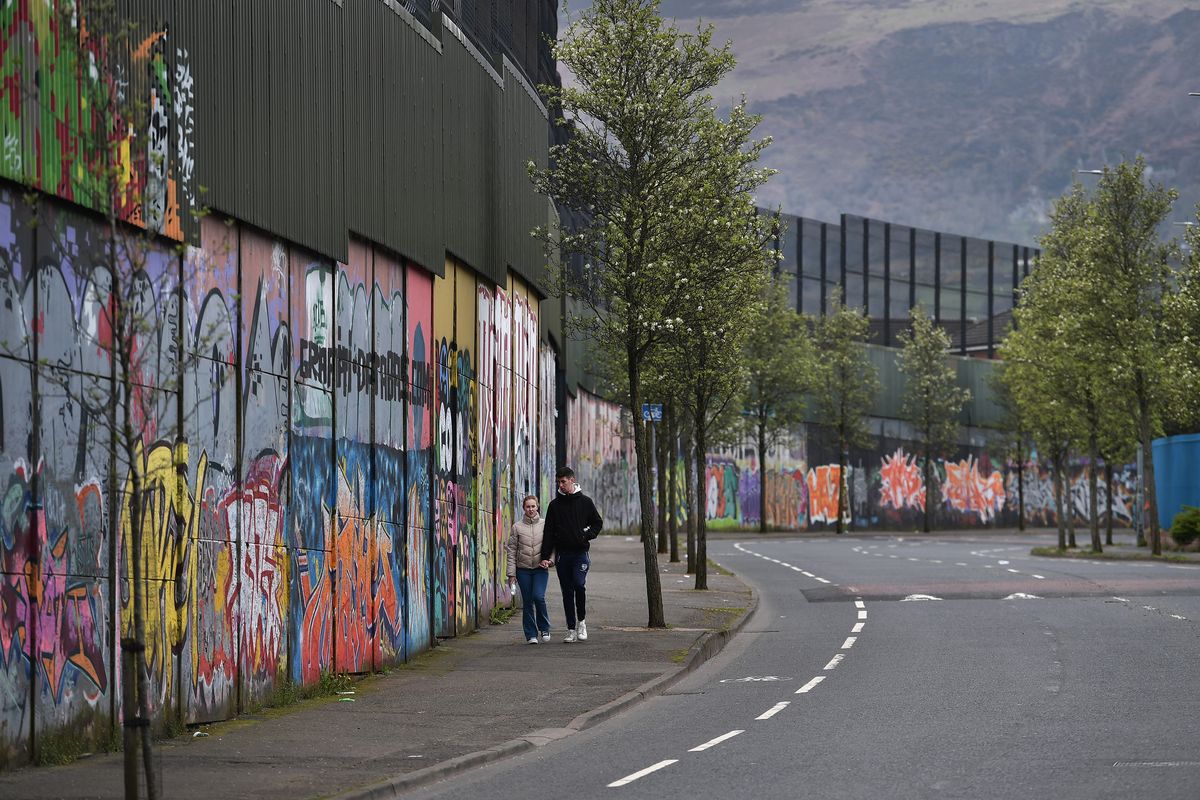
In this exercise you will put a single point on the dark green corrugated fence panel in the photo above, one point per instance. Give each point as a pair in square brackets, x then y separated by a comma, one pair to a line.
[523, 138]
[973, 374]
[392, 130]
[470, 106]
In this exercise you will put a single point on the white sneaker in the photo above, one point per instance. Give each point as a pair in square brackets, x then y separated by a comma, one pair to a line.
[532, 640]
[570, 636]
[582, 631]
[545, 636]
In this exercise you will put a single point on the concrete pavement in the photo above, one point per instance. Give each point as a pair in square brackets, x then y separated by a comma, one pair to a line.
[472, 700]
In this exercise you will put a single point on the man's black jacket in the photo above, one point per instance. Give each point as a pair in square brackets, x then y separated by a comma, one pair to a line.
[572, 521]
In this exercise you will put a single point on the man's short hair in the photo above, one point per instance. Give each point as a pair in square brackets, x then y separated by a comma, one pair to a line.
[564, 472]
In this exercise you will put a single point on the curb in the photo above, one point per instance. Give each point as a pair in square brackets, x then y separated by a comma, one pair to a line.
[702, 650]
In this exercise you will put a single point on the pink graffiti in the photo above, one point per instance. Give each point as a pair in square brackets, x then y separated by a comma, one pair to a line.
[966, 489]
[902, 484]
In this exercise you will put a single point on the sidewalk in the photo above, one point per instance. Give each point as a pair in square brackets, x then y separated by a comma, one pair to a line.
[471, 700]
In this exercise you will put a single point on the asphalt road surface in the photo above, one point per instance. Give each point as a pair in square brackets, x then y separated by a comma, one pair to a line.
[908, 667]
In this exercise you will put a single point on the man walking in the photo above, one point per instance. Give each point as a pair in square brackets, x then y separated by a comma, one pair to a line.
[572, 521]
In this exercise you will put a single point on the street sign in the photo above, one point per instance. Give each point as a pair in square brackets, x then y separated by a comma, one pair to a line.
[652, 412]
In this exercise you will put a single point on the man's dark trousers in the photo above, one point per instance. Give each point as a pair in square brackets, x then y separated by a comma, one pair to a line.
[572, 571]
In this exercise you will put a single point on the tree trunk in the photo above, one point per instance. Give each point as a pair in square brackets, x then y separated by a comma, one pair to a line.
[841, 491]
[1108, 502]
[1058, 501]
[762, 475]
[1020, 488]
[928, 469]
[701, 559]
[673, 484]
[660, 458]
[690, 495]
[1093, 457]
[654, 603]
[1151, 504]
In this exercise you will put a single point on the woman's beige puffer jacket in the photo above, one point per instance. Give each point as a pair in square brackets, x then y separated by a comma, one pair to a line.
[524, 545]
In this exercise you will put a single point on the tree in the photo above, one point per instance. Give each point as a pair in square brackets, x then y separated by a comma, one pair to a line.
[639, 168]
[932, 398]
[847, 383]
[1181, 311]
[1012, 427]
[779, 364]
[1125, 305]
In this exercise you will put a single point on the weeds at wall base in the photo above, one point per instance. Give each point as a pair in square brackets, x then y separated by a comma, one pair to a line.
[1108, 555]
[64, 747]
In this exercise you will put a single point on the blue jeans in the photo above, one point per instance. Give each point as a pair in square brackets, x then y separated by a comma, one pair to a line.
[533, 599]
[572, 571]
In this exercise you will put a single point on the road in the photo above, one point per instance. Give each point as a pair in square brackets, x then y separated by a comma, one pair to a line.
[909, 667]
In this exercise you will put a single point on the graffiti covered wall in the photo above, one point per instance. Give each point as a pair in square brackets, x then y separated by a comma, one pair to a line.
[330, 452]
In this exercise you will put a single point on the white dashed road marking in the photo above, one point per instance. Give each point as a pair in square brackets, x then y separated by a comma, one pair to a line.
[833, 662]
[773, 710]
[643, 772]
[714, 742]
[808, 687]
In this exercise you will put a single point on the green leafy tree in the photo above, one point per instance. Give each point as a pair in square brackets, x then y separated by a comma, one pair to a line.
[1123, 308]
[932, 399]
[1182, 315]
[847, 383]
[779, 364]
[647, 160]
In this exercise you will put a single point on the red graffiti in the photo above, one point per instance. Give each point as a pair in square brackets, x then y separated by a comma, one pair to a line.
[823, 494]
[902, 483]
[968, 491]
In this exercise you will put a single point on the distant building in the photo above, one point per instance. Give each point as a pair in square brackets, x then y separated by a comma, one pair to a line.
[967, 285]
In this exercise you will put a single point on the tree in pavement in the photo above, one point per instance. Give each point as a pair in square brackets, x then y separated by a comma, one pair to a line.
[779, 364]
[932, 399]
[1014, 432]
[846, 385]
[1043, 374]
[1126, 299]
[639, 167]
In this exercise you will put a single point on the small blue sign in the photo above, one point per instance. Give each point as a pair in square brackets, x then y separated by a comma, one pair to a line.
[652, 412]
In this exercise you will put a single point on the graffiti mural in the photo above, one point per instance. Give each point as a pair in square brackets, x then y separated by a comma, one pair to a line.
[970, 491]
[902, 485]
[600, 450]
[84, 107]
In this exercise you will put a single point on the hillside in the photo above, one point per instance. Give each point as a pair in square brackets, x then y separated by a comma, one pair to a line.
[963, 116]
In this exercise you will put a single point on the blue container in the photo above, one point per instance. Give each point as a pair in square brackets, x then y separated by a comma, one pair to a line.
[1176, 474]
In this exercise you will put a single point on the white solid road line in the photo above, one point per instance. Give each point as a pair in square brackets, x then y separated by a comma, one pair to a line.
[715, 742]
[641, 773]
[773, 710]
[808, 687]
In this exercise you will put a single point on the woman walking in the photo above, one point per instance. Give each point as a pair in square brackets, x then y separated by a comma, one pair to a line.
[524, 549]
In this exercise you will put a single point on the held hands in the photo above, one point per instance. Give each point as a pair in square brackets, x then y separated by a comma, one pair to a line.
[545, 563]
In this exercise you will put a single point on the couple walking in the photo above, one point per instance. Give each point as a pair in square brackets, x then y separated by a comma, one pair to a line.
[560, 540]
